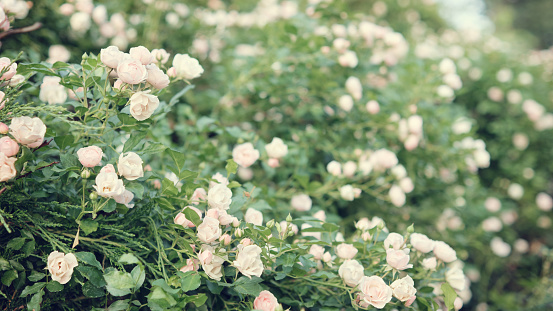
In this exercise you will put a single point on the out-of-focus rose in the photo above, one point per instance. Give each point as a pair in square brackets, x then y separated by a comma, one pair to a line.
[354, 87]
[301, 202]
[52, 91]
[351, 271]
[334, 168]
[245, 154]
[253, 216]
[187, 67]
[345, 102]
[209, 231]
[160, 56]
[219, 197]
[347, 192]
[317, 251]
[374, 291]
[444, 252]
[28, 131]
[80, 22]
[143, 105]
[266, 301]
[456, 278]
[131, 71]
[429, 263]
[7, 167]
[61, 266]
[8, 146]
[90, 156]
[348, 59]
[277, 148]
[404, 288]
[248, 260]
[397, 196]
[372, 107]
[130, 166]
[398, 259]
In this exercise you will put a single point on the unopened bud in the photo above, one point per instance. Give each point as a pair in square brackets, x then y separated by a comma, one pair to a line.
[246, 242]
[278, 227]
[4, 129]
[411, 228]
[366, 236]
[225, 239]
[235, 222]
[289, 218]
[381, 225]
[238, 232]
[93, 195]
[279, 308]
[270, 223]
[290, 233]
[85, 174]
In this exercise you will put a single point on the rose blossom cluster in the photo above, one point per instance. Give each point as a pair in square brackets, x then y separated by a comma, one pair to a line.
[144, 68]
[11, 10]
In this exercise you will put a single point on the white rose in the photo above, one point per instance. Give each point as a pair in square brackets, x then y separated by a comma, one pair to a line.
[456, 278]
[245, 154]
[544, 201]
[398, 259]
[349, 168]
[383, 159]
[52, 91]
[141, 54]
[28, 131]
[130, 166]
[143, 105]
[429, 263]
[131, 71]
[125, 198]
[187, 67]
[276, 149]
[209, 231]
[219, 197]
[213, 265]
[354, 87]
[397, 196]
[394, 240]
[404, 288]
[351, 271]
[406, 185]
[444, 252]
[347, 193]
[80, 21]
[374, 291]
[248, 260]
[61, 266]
[254, 216]
[156, 77]
[348, 59]
[334, 168]
[111, 56]
[301, 202]
[346, 251]
[422, 243]
[345, 102]
[316, 250]
[108, 185]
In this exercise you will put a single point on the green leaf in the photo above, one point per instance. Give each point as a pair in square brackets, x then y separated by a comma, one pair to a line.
[89, 259]
[192, 216]
[165, 204]
[128, 259]
[134, 140]
[161, 283]
[136, 188]
[95, 275]
[161, 298]
[233, 184]
[64, 141]
[8, 277]
[24, 69]
[28, 248]
[138, 275]
[423, 301]
[119, 283]
[54, 286]
[176, 97]
[168, 187]
[110, 206]
[29, 290]
[231, 167]
[119, 305]
[35, 302]
[203, 122]
[4, 264]
[16, 243]
[69, 160]
[186, 174]
[89, 290]
[248, 288]
[89, 226]
[154, 148]
[36, 276]
[449, 296]
[191, 281]
[303, 180]
[126, 119]
[198, 299]
[178, 159]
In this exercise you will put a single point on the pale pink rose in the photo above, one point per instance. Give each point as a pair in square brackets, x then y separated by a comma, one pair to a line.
[410, 301]
[458, 303]
[8, 146]
[224, 218]
[7, 167]
[160, 56]
[348, 59]
[246, 242]
[544, 201]
[350, 168]
[366, 236]
[213, 263]
[28, 131]
[108, 168]
[253, 216]
[191, 265]
[404, 289]
[199, 195]
[125, 198]
[394, 240]
[67, 9]
[187, 67]
[456, 278]
[444, 252]
[406, 185]
[273, 162]
[2, 101]
[108, 185]
[429, 263]
[422, 243]
[291, 227]
[131, 71]
[373, 107]
[374, 291]
[111, 56]
[345, 102]
[317, 251]
[301, 202]
[248, 260]
[320, 215]
[219, 179]
[492, 204]
[354, 87]
[397, 196]
[266, 301]
[90, 156]
[276, 148]
[245, 155]
[346, 251]
[172, 72]
[4, 20]
[117, 84]
[219, 197]
[244, 173]
[351, 271]
[12, 68]
[225, 239]
[209, 231]
[143, 105]
[61, 266]
[347, 192]
[130, 166]
[141, 54]
[327, 258]
[52, 91]
[383, 159]
[334, 168]
[398, 259]
[492, 224]
[180, 219]
[156, 77]
[4, 129]
[213, 213]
